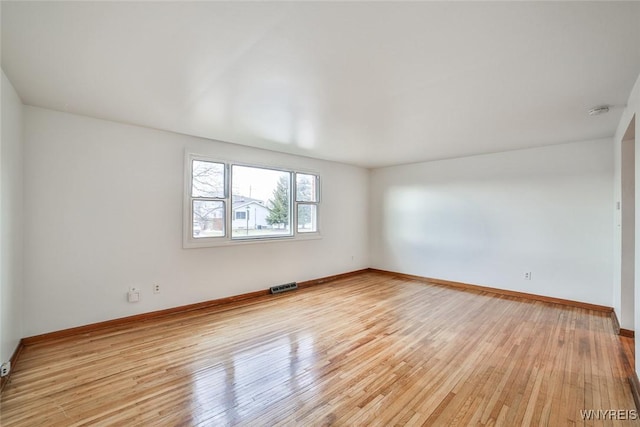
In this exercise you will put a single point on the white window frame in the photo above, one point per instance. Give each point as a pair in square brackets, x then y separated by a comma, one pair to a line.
[315, 203]
[188, 241]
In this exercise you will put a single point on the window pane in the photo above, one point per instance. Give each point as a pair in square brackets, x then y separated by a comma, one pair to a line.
[307, 218]
[306, 188]
[207, 179]
[208, 219]
[261, 202]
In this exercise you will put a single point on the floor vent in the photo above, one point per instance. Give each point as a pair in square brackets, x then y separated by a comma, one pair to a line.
[283, 288]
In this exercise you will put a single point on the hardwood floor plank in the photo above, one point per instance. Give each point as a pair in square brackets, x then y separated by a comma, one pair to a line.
[367, 349]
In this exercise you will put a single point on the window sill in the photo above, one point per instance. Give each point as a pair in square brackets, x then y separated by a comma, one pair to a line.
[220, 242]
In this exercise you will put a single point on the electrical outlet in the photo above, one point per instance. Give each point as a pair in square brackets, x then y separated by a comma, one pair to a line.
[156, 288]
[527, 275]
[5, 369]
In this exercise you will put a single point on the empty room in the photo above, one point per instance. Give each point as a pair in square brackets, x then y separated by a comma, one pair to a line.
[319, 213]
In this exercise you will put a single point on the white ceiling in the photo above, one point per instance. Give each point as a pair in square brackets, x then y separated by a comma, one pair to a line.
[364, 83]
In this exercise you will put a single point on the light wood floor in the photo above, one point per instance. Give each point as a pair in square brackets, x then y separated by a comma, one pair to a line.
[368, 350]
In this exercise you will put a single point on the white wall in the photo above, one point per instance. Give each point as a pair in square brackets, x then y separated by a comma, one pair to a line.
[625, 228]
[631, 112]
[103, 211]
[488, 219]
[11, 203]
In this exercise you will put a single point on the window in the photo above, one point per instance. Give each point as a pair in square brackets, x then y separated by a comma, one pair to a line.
[307, 202]
[265, 193]
[208, 185]
[227, 202]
